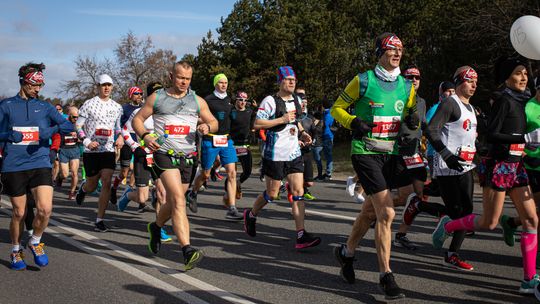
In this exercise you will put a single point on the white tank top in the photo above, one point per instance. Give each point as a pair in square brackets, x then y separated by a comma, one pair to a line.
[458, 137]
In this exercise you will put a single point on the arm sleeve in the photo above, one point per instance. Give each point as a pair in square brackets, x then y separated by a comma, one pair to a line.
[56, 141]
[447, 111]
[118, 125]
[267, 108]
[348, 97]
[127, 136]
[80, 122]
[499, 111]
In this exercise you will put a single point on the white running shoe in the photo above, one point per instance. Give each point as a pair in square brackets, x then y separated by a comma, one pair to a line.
[350, 186]
[359, 198]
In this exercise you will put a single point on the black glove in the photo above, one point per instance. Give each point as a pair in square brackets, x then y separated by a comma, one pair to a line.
[452, 162]
[139, 153]
[412, 121]
[15, 136]
[360, 127]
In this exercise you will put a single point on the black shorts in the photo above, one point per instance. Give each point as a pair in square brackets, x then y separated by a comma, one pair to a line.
[125, 156]
[19, 183]
[143, 173]
[164, 162]
[95, 162]
[378, 172]
[534, 180]
[307, 157]
[278, 170]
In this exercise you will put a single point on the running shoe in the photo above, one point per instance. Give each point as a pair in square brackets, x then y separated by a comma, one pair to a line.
[99, 187]
[308, 196]
[389, 287]
[80, 194]
[154, 243]
[59, 182]
[537, 292]
[144, 208]
[113, 199]
[289, 193]
[319, 178]
[238, 190]
[17, 260]
[101, 227]
[454, 261]
[124, 200]
[213, 176]
[219, 176]
[508, 232]
[359, 198]
[404, 242]
[40, 257]
[191, 198]
[530, 286]
[71, 196]
[350, 186]
[249, 223]
[306, 241]
[192, 258]
[233, 214]
[411, 209]
[164, 236]
[347, 270]
[327, 177]
[440, 235]
[282, 188]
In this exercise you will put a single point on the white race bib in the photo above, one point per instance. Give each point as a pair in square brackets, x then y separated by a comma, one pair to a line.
[30, 135]
[220, 141]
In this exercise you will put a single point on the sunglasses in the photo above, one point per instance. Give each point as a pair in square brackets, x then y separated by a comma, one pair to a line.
[241, 100]
[137, 93]
[413, 77]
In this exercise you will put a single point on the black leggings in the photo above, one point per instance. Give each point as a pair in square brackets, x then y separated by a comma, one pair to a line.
[247, 164]
[457, 194]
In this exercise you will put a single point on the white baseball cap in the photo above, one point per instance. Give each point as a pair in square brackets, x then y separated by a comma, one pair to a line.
[104, 78]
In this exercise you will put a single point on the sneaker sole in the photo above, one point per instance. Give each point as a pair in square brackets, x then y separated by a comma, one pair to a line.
[166, 240]
[451, 266]
[245, 224]
[387, 297]
[433, 234]
[337, 255]
[308, 245]
[398, 244]
[234, 219]
[528, 291]
[195, 259]
[409, 200]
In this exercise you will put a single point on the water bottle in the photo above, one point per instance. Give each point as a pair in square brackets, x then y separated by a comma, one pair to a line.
[161, 139]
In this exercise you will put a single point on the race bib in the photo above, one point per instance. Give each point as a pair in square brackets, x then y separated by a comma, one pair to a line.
[386, 126]
[176, 130]
[414, 161]
[516, 149]
[103, 133]
[149, 158]
[241, 151]
[467, 154]
[30, 135]
[70, 140]
[220, 141]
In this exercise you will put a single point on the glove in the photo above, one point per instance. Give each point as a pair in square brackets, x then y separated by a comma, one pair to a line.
[533, 136]
[139, 153]
[412, 121]
[452, 162]
[15, 136]
[360, 127]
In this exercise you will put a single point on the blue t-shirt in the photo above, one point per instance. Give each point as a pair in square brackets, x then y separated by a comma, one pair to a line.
[328, 122]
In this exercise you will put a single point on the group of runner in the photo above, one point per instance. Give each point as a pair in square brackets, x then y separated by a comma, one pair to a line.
[162, 137]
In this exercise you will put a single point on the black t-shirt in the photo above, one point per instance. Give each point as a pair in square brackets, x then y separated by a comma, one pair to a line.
[241, 125]
[221, 109]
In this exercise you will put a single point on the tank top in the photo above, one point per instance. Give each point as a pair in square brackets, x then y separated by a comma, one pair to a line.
[176, 117]
[458, 137]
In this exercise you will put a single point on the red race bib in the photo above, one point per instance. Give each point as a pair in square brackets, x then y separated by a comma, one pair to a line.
[30, 135]
[516, 149]
[467, 154]
[414, 161]
[177, 131]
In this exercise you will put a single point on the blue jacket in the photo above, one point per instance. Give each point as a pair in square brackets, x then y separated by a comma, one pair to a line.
[328, 122]
[18, 112]
[429, 115]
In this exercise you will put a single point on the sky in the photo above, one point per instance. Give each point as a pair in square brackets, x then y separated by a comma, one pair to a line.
[56, 32]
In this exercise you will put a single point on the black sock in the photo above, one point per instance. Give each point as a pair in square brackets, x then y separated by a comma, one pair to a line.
[432, 208]
[400, 235]
[511, 222]
[187, 250]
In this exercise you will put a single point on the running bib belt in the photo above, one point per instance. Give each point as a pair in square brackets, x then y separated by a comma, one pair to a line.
[385, 109]
[241, 151]
[220, 141]
[30, 135]
[414, 161]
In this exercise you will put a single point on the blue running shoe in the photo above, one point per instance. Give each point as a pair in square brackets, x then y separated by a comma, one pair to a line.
[98, 189]
[164, 236]
[40, 257]
[124, 200]
[529, 287]
[17, 260]
[440, 235]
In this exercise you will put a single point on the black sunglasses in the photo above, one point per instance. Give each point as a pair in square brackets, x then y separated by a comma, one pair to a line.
[136, 93]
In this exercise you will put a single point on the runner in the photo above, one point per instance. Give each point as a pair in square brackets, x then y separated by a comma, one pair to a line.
[242, 119]
[409, 149]
[505, 173]
[97, 126]
[26, 125]
[382, 99]
[135, 97]
[281, 155]
[218, 144]
[311, 127]
[175, 111]
[69, 155]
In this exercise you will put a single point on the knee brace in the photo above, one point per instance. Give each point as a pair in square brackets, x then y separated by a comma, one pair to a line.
[297, 198]
[267, 197]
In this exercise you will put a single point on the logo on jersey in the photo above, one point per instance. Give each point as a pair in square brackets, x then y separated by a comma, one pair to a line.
[373, 104]
[467, 125]
[398, 106]
[292, 131]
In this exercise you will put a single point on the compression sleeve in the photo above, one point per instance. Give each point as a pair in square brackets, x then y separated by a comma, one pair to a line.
[447, 111]
[347, 98]
[128, 140]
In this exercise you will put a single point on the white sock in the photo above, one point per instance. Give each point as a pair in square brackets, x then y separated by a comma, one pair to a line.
[34, 240]
[98, 219]
[16, 248]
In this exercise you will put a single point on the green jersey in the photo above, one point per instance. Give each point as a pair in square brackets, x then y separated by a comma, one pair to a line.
[532, 111]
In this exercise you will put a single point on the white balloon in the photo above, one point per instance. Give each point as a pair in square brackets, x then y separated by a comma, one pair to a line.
[525, 36]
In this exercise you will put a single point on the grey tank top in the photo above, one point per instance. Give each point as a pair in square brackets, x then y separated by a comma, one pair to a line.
[176, 117]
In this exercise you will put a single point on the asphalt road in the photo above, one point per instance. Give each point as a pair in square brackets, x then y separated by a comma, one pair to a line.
[116, 267]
